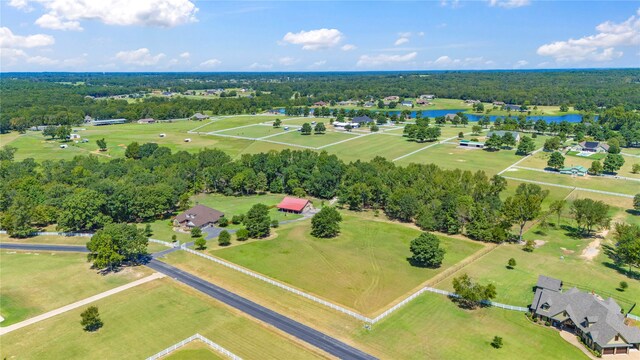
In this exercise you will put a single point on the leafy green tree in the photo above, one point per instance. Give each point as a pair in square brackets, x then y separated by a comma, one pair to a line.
[237, 219]
[564, 108]
[348, 127]
[525, 205]
[242, 234]
[494, 142]
[7, 152]
[596, 168]
[277, 123]
[196, 232]
[200, 243]
[426, 251]
[91, 319]
[275, 223]
[306, 129]
[496, 342]
[63, 132]
[147, 230]
[84, 209]
[623, 285]
[147, 149]
[636, 202]
[552, 144]
[557, 207]
[526, 146]
[627, 245]
[116, 244]
[257, 221]
[374, 128]
[635, 168]
[556, 160]
[508, 140]
[50, 131]
[102, 145]
[471, 293]
[326, 223]
[614, 146]
[511, 263]
[476, 129]
[319, 128]
[223, 222]
[133, 151]
[590, 214]
[529, 246]
[224, 239]
[613, 163]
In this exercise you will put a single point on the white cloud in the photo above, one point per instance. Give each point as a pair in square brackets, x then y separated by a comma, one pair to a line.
[454, 4]
[401, 41]
[185, 55]
[9, 57]
[348, 47]
[509, 4]
[49, 21]
[41, 60]
[287, 60]
[211, 63]
[599, 47]
[9, 40]
[318, 64]
[315, 39]
[258, 66]
[421, 33]
[520, 64]
[140, 57]
[385, 59]
[67, 14]
[21, 4]
[466, 63]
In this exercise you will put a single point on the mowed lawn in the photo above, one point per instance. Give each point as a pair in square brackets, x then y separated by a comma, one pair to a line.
[237, 205]
[539, 161]
[364, 268]
[555, 193]
[313, 140]
[146, 319]
[432, 327]
[47, 239]
[450, 156]
[36, 282]
[368, 147]
[222, 123]
[629, 187]
[195, 350]
[253, 131]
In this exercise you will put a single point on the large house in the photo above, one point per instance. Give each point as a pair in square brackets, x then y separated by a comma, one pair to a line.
[598, 322]
[593, 146]
[199, 216]
[427, 97]
[392, 98]
[294, 205]
[362, 120]
[501, 134]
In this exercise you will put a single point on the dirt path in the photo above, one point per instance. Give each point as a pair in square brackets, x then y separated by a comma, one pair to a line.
[78, 304]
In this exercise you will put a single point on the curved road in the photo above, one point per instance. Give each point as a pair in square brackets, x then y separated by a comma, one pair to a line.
[329, 344]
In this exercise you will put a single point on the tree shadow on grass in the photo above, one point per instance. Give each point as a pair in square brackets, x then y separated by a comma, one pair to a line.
[633, 212]
[613, 264]
[572, 232]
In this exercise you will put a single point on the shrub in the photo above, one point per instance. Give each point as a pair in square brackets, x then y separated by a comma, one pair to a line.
[511, 263]
[275, 223]
[200, 243]
[547, 323]
[196, 232]
[174, 238]
[224, 238]
[223, 222]
[497, 342]
[529, 246]
[242, 234]
[91, 319]
[237, 219]
[623, 285]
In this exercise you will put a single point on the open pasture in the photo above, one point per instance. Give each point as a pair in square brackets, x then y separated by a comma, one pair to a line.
[539, 161]
[251, 131]
[165, 313]
[365, 267]
[368, 147]
[313, 140]
[36, 282]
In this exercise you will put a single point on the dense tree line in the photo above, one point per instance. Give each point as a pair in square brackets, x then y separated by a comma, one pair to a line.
[54, 98]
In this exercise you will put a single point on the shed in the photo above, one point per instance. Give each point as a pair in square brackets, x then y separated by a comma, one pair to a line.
[294, 205]
[471, 144]
[574, 170]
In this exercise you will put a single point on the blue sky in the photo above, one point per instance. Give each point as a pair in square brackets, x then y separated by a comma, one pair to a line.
[188, 35]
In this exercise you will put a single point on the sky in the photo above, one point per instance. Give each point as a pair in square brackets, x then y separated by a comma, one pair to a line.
[191, 35]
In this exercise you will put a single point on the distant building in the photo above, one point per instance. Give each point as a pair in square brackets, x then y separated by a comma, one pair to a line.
[107, 122]
[199, 216]
[501, 133]
[472, 102]
[599, 323]
[512, 107]
[407, 103]
[369, 104]
[88, 118]
[294, 205]
[392, 98]
[498, 103]
[427, 97]
[422, 102]
[574, 170]
[320, 103]
[199, 116]
[147, 121]
[362, 120]
[593, 146]
[342, 125]
[74, 136]
[471, 144]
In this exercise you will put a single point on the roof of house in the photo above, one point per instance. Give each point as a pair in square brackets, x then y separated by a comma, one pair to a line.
[293, 204]
[200, 116]
[449, 116]
[545, 282]
[600, 319]
[199, 215]
[594, 145]
[577, 168]
[147, 120]
[362, 119]
[502, 133]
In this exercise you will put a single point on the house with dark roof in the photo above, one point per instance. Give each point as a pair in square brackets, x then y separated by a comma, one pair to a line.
[294, 205]
[512, 107]
[593, 146]
[199, 116]
[199, 216]
[502, 133]
[598, 322]
[362, 120]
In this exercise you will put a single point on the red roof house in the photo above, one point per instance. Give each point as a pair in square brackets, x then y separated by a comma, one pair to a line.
[292, 204]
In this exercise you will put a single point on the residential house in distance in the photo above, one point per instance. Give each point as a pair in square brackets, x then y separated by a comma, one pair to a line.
[107, 122]
[423, 102]
[593, 147]
[512, 107]
[342, 125]
[501, 133]
[199, 116]
[449, 117]
[427, 97]
[88, 119]
[472, 102]
[369, 104]
[362, 120]
[498, 103]
[407, 103]
[471, 144]
[320, 103]
[392, 98]
[598, 322]
[199, 216]
[147, 121]
[574, 170]
[294, 205]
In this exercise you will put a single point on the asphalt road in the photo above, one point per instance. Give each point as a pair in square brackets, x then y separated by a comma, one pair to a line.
[292, 327]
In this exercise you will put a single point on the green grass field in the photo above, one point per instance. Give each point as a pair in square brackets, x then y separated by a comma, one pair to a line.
[256, 131]
[165, 313]
[539, 161]
[368, 147]
[295, 137]
[236, 205]
[365, 267]
[195, 350]
[222, 123]
[47, 239]
[449, 156]
[555, 193]
[621, 186]
[37, 282]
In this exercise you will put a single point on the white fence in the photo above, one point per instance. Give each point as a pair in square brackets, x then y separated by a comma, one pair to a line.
[278, 284]
[184, 342]
[636, 318]
[52, 233]
[165, 243]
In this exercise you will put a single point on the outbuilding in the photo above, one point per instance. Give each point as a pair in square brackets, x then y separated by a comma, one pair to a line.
[294, 205]
[574, 170]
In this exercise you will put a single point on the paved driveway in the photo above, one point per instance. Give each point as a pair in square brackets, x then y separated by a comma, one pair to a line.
[213, 231]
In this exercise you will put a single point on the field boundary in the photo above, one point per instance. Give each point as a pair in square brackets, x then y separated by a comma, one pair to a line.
[191, 338]
[54, 233]
[569, 187]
